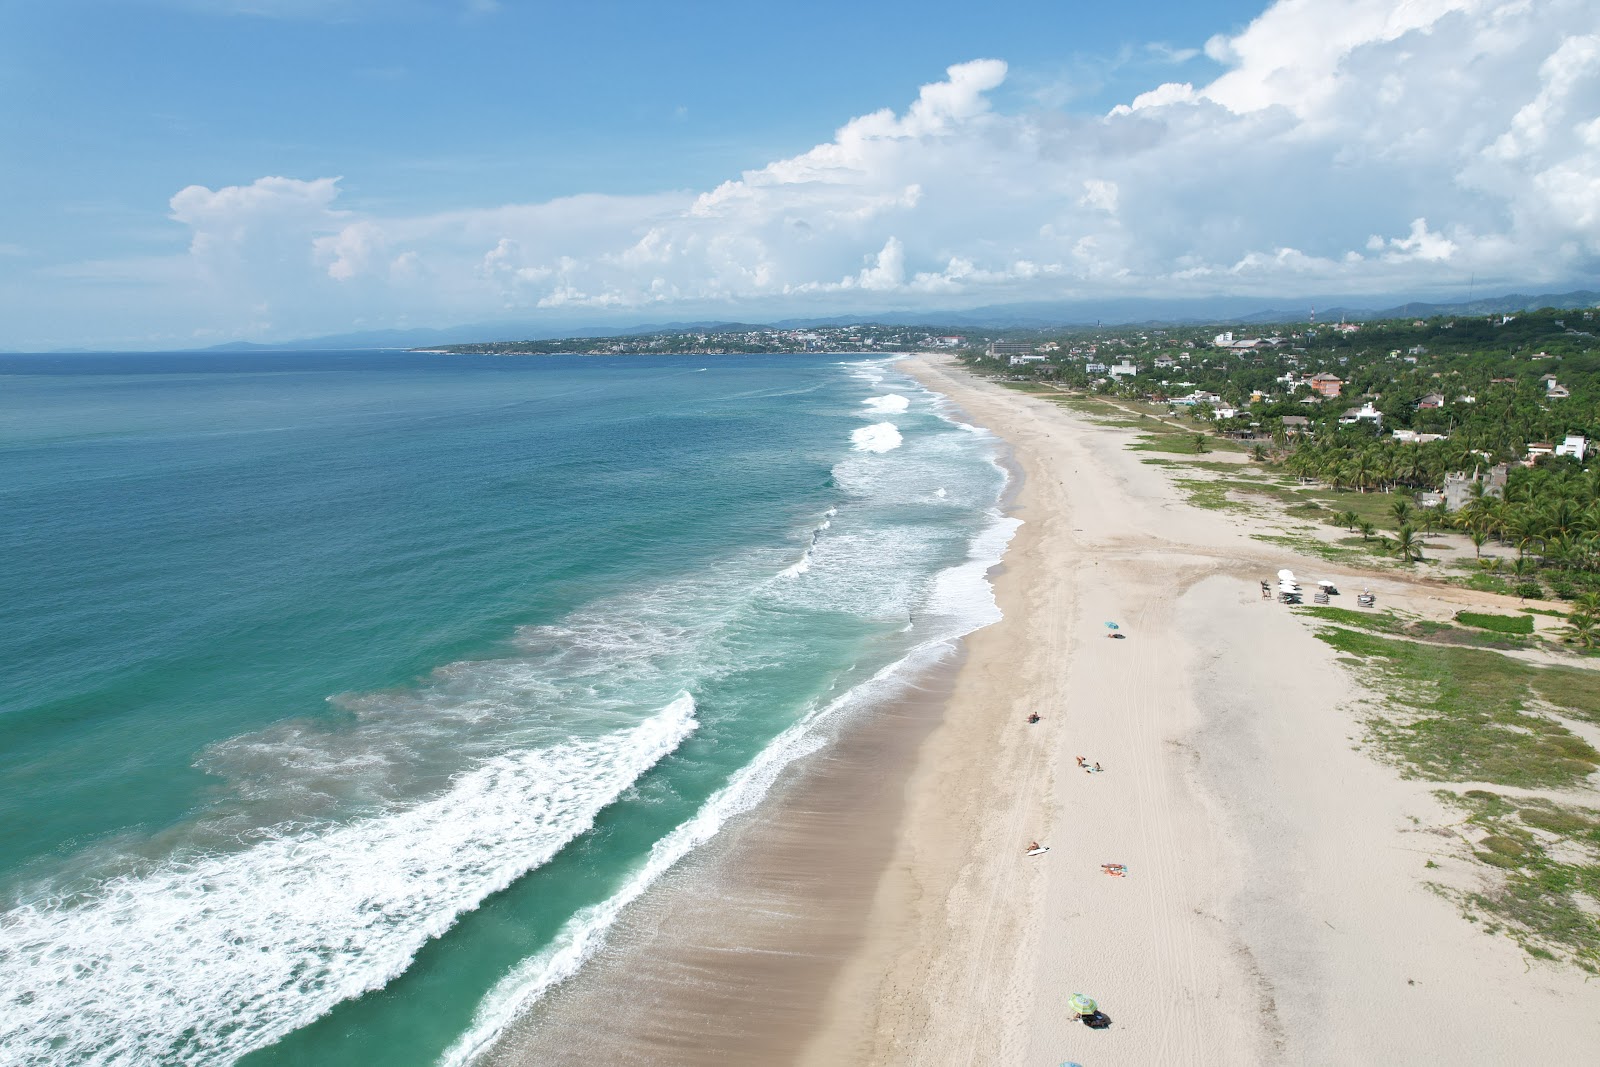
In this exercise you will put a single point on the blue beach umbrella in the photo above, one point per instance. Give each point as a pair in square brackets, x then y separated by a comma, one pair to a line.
[1111, 626]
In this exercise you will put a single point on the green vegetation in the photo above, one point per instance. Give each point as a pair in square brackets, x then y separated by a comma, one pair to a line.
[1463, 714]
[1505, 624]
[1209, 494]
[1550, 855]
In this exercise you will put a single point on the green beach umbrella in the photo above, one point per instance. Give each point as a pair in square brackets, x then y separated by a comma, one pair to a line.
[1081, 1004]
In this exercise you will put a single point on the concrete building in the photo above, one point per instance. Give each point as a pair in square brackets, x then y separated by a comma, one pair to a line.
[1576, 446]
[1458, 486]
[1328, 385]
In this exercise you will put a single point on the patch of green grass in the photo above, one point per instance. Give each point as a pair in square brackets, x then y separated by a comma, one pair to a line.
[1311, 546]
[1381, 621]
[1547, 612]
[1209, 494]
[1505, 624]
[1179, 444]
[1485, 582]
[1030, 387]
[1461, 714]
[1547, 904]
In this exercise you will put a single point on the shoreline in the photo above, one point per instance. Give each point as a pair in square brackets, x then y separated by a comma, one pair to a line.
[794, 880]
[1274, 907]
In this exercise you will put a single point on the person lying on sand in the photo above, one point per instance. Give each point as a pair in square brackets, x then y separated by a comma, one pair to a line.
[1097, 766]
[1080, 761]
[1034, 717]
[1033, 846]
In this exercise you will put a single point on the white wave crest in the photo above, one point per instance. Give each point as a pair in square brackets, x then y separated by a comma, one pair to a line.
[210, 957]
[585, 933]
[879, 437]
[888, 404]
[962, 601]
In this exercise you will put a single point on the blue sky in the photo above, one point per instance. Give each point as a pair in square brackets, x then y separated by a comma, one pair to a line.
[183, 172]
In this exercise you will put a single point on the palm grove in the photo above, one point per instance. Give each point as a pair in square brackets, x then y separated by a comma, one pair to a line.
[1478, 390]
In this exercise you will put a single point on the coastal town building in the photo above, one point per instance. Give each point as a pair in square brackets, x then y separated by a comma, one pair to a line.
[1458, 490]
[999, 349]
[1537, 450]
[1412, 437]
[1431, 402]
[1365, 413]
[1553, 389]
[1123, 369]
[1576, 446]
[1328, 385]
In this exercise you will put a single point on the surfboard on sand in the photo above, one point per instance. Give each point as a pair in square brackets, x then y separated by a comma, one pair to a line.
[1037, 851]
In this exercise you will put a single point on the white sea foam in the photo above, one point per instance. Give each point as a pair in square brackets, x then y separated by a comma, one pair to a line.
[211, 956]
[888, 404]
[585, 933]
[879, 437]
[874, 569]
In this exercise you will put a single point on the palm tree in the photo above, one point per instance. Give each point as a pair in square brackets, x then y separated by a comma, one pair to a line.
[1200, 445]
[1363, 471]
[1582, 630]
[1478, 535]
[1406, 545]
[1401, 509]
[1348, 519]
[1259, 453]
[1523, 529]
[1368, 531]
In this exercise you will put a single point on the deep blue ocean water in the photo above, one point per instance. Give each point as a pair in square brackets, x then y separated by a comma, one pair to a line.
[347, 697]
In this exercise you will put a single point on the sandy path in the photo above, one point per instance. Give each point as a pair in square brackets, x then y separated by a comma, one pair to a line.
[1274, 910]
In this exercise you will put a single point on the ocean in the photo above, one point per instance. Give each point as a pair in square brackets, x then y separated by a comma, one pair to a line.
[348, 698]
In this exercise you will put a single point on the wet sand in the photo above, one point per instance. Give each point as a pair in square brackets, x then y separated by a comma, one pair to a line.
[729, 959]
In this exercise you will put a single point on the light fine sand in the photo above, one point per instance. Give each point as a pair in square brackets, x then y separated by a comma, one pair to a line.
[1275, 908]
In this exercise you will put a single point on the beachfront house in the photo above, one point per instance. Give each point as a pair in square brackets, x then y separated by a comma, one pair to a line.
[1296, 424]
[1431, 402]
[1123, 369]
[1412, 437]
[1537, 450]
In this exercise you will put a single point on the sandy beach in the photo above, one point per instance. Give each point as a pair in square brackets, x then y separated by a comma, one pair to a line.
[879, 909]
[1274, 908]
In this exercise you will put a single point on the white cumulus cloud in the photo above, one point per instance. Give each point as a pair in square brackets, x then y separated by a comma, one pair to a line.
[1347, 146]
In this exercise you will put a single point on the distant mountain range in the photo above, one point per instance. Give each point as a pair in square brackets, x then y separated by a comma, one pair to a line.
[1025, 316]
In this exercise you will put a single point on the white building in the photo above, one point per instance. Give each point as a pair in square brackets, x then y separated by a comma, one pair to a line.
[1575, 446]
[1365, 413]
[1122, 370]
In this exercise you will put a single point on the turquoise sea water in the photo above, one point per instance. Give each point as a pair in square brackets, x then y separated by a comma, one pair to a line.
[347, 697]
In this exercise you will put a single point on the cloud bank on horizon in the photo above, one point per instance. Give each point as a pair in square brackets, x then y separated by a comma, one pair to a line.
[1349, 146]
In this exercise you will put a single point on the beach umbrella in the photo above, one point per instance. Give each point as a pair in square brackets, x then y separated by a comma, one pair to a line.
[1081, 1004]
[1111, 626]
